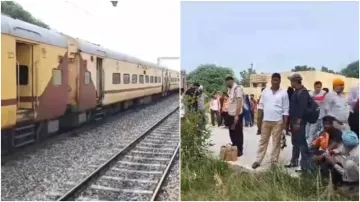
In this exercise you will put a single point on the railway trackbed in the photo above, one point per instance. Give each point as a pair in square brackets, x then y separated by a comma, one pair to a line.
[136, 172]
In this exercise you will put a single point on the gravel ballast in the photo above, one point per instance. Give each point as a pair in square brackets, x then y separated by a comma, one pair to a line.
[170, 191]
[38, 174]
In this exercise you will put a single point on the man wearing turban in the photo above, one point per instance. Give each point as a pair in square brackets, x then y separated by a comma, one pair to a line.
[335, 103]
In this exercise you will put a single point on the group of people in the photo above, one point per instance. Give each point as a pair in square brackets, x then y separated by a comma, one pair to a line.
[323, 127]
[219, 109]
[323, 124]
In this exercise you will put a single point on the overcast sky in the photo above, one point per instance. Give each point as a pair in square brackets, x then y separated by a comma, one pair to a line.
[141, 28]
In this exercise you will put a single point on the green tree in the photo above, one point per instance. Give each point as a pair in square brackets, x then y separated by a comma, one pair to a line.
[210, 76]
[325, 69]
[16, 11]
[352, 70]
[302, 68]
[245, 76]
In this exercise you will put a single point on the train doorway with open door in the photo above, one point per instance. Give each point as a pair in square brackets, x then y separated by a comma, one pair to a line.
[24, 81]
[99, 78]
[25, 96]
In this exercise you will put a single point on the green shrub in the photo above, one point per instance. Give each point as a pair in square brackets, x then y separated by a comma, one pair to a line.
[204, 177]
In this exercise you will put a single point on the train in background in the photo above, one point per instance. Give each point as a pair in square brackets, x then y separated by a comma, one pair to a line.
[51, 81]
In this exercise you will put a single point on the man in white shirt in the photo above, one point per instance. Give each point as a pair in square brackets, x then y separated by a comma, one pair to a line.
[313, 130]
[215, 109]
[335, 103]
[235, 118]
[353, 101]
[274, 103]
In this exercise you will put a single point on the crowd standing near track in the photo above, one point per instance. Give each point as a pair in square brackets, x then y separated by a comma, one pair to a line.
[323, 124]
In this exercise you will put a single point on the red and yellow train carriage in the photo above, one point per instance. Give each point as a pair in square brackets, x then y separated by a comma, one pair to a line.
[52, 81]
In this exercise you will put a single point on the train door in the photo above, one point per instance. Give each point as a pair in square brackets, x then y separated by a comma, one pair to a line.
[169, 81]
[99, 78]
[24, 75]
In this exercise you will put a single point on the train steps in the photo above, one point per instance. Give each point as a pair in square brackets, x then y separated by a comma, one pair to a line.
[23, 135]
[99, 113]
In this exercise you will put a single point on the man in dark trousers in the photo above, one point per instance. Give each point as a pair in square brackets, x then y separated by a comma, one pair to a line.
[192, 94]
[235, 118]
[298, 105]
[259, 116]
[253, 108]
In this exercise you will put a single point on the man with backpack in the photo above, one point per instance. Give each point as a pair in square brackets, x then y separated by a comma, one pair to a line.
[303, 110]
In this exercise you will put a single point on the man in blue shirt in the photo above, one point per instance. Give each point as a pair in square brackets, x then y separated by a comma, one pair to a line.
[298, 105]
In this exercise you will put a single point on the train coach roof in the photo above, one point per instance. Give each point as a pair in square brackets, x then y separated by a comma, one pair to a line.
[26, 30]
[96, 49]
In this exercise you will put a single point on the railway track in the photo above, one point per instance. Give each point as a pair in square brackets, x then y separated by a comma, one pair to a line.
[136, 172]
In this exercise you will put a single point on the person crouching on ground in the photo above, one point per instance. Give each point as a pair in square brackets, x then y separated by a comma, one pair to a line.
[274, 103]
[235, 117]
[345, 160]
[330, 138]
[215, 109]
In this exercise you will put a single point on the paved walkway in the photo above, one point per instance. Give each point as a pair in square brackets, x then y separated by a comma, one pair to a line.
[220, 136]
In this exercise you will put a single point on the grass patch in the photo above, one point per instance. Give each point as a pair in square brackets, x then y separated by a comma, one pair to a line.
[213, 180]
[206, 178]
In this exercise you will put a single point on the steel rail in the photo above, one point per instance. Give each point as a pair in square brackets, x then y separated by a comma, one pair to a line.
[72, 194]
[163, 177]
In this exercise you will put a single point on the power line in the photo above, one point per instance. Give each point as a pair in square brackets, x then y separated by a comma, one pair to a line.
[78, 7]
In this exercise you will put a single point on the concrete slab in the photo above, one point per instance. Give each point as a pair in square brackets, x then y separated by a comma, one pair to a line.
[220, 136]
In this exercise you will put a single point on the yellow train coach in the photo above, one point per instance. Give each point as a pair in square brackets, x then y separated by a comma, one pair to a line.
[52, 81]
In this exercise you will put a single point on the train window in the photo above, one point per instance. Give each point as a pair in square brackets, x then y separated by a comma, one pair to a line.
[23, 75]
[116, 78]
[134, 78]
[141, 78]
[87, 78]
[126, 78]
[151, 79]
[146, 79]
[159, 79]
[155, 77]
[57, 77]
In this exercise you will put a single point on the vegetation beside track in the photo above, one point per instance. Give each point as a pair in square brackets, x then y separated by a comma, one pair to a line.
[204, 177]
